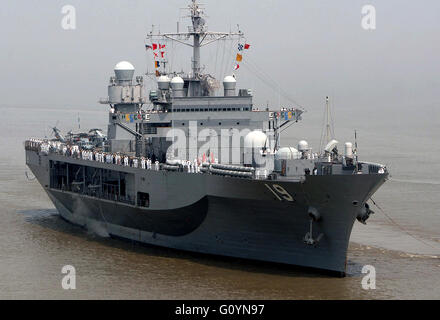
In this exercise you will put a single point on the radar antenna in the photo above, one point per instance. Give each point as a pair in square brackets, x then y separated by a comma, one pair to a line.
[199, 33]
[328, 129]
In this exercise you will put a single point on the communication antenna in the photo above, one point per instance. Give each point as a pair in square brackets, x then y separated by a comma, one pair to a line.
[196, 37]
[328, 131]
[355, 146]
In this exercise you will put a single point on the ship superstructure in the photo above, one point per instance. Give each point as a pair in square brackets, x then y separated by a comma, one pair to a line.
[187, 168]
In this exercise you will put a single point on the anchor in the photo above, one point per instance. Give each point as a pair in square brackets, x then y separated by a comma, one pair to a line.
[364, 214]
[308, 238]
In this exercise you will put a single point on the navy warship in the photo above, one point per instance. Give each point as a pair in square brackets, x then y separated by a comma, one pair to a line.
[191, 168]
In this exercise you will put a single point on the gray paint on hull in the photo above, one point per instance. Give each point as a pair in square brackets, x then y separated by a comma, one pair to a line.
[243, 217]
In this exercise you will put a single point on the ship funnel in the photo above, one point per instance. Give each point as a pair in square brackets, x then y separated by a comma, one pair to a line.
[229, 84]
[177, 86]
[124, 71]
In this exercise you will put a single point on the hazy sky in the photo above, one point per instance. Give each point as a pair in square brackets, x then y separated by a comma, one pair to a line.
[311, 48]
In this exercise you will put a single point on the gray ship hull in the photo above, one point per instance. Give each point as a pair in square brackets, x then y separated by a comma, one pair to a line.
[222, 215]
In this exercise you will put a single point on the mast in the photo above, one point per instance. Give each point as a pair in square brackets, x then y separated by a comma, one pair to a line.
[327, 116]
[198, 27]
[327, 131]
[199, 34]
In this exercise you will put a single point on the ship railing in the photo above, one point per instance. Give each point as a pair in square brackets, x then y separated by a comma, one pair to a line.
[75, 152]
[33, 144]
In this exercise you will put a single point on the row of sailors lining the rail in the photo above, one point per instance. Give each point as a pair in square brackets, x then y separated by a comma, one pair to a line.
[33, 144]
[119, 159]
[123, 160]
[76, 152]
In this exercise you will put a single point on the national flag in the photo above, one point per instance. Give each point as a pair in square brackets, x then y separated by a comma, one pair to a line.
[247, 46]
[154, 46]
[239, 57]
[237, 66]
[240, 47]
[157, 64]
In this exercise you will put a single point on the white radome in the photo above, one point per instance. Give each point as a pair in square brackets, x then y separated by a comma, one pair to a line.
[163, 82]
[255, 139]
[303, 145]
[124, 65]
[229, 79]
[177, 80]
[331, 145]
[163, 79]
[229, 84]
[348, 149]
[287, 153]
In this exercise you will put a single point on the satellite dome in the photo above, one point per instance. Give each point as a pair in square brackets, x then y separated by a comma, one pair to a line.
[176, 80]
[177, 83]
[229, 79]
[255, 139]
[124, 71]
[163, 82]
[229, 84]
[349, 149]
[124, 65]
[286, 153]
[303, 145]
